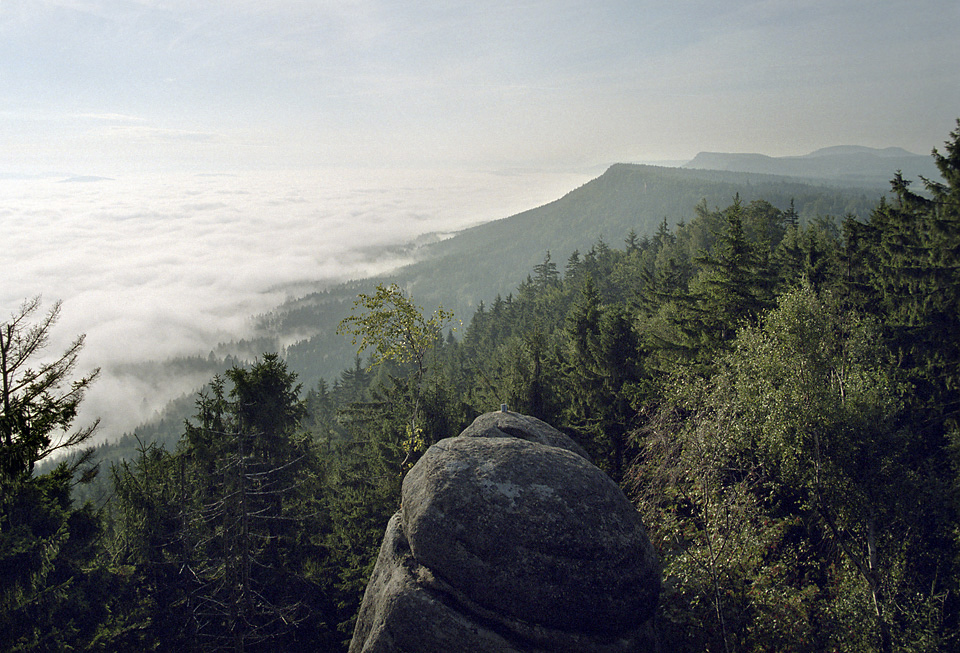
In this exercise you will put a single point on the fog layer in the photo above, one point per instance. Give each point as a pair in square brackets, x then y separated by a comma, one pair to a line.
[151, 268]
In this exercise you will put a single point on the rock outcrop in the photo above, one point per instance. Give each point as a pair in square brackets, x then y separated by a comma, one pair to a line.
[510, 539]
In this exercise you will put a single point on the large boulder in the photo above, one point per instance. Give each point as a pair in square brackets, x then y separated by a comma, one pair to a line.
[509, 539]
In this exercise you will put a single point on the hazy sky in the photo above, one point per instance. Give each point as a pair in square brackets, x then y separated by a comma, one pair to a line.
[103, 86]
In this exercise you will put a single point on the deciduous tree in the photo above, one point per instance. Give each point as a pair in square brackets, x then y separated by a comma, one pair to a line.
[397, 330]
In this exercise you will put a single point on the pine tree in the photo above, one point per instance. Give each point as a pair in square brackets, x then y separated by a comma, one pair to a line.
[39, 404]
[224, 533]
[601, 377]
[791, 218]
[572, 269]
[254, 585]
[545, 274]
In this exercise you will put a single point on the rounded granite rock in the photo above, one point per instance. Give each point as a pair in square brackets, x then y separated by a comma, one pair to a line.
[532, 531]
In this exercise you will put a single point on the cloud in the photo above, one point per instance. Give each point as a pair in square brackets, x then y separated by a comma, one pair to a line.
[154, 267]
[112, 118]
[148, 134]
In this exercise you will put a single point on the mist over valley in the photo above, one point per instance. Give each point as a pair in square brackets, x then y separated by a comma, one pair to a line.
[159, 269]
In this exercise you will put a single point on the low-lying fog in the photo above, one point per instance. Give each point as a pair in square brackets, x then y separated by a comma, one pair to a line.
[151, 268]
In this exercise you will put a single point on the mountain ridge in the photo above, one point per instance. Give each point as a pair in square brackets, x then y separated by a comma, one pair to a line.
[839, 163]
[837, 150]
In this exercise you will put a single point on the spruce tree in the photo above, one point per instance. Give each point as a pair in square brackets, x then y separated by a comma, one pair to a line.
[913, 258]
[734, 286]
[46, 543]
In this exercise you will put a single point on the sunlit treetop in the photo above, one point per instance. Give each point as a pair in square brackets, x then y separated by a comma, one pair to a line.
[393, 325]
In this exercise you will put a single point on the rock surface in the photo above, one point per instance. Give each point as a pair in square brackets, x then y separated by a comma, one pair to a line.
[504, 424]
[509, 539]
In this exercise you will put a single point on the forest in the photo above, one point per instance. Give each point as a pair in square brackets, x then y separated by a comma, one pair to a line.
[779, 398]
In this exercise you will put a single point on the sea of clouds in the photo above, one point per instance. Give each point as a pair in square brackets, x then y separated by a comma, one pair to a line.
[155, 267]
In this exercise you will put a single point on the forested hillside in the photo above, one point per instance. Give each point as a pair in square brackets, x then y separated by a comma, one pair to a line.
[490, 259]
[779, 397]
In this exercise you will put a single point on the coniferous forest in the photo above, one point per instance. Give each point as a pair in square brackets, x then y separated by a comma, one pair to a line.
[780, 399]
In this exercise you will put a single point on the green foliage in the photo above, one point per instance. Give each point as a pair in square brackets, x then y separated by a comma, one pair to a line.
[362, 487]
[799, 424]
[47, 554]
[913, 262]
[150, 540]
[491, 259]
[397, 330]
[602, 378]
[393, 326]
[735, 284]
[223, 538]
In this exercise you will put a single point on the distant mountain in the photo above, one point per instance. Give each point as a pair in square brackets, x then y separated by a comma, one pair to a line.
[840, 165]
[840, 150]
[84, 179]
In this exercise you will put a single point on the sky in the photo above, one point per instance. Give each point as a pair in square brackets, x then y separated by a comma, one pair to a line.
[110, 86]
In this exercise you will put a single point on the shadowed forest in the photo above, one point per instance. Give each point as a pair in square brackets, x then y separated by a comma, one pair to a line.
[779, 397]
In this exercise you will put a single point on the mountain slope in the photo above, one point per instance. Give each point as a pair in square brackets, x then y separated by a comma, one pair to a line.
[493, 258]
[501, 253]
